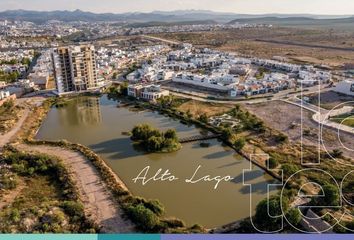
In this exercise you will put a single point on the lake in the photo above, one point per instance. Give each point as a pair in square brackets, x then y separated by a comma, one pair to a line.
[97, 123]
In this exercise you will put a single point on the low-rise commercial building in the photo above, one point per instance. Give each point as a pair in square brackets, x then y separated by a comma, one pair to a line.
[150, 92]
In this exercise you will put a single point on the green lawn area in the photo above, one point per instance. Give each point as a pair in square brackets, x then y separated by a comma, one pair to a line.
[346, 119]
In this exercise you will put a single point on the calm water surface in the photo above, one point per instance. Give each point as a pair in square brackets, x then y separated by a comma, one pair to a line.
[99, 124]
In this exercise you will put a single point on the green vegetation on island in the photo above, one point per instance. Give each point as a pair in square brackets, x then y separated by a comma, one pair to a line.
[153, 140]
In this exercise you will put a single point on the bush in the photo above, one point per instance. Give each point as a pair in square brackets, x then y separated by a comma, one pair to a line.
[226, 133]
[143, 217]
[155, 206]
[203, 118]
[293, 216]
[170, 134]
[73, 208]
[280, 138]
[263, 220]
[173, 223]
[154, 144]
[239, 144]
[289, 169]
[336, 153]
[331, 197]
[272, 163]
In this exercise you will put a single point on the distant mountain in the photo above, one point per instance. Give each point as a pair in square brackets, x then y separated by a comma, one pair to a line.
[296, 20]
[156, 16]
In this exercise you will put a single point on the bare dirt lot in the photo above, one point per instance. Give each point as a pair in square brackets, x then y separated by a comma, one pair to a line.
[197, 108]
[286, 117]
[258, 42]
[330, 100]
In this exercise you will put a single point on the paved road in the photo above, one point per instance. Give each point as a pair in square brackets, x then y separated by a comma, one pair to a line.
[161, 40]
[286, 94]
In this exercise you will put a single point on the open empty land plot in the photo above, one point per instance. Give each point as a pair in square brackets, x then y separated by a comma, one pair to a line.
[292, 43]
[197, 108]
[286, 117]
[329, 100]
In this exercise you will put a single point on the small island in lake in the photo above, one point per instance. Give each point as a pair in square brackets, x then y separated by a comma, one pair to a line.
[154, 140]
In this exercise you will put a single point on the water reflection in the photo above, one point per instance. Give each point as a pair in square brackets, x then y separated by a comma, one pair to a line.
[84, 111]
[99, 124]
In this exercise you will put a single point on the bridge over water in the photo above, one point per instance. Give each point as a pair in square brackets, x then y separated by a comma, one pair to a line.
[199, 138]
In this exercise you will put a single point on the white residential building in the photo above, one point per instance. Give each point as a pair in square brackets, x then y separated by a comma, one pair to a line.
[215, 82]
[345, 87]
[150, 92]
[4, 95]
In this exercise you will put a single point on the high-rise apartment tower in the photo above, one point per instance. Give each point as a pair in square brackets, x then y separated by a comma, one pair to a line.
[75, 68]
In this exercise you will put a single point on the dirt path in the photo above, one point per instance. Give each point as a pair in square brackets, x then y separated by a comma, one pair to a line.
[9, 197]
[97, 199]
[6, 138]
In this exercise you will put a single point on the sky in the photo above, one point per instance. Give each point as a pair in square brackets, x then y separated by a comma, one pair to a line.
[330, 7]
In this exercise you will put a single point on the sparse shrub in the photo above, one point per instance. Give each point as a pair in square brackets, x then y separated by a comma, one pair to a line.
[272, 163]
[239, 144]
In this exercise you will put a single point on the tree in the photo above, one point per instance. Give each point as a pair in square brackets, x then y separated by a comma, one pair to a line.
[281, 137]
[239, 144]
[73, 208]
[293, 216]
[203, 118]
[155, 206]
[154, 144]
[144, 218]
[331, 197]
[189, 114]
[289, 169]
[26, 61]
[272, 163]
[171, 134]
[154, 140]
[262, 217]
[226, 133]
[123, 89]
[336, 153]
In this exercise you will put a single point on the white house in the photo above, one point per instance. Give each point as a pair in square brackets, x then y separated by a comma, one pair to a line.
[4, 94]
[345, 87]
[149, 92]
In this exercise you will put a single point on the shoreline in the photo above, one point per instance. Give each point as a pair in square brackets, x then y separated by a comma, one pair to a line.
[119, 190]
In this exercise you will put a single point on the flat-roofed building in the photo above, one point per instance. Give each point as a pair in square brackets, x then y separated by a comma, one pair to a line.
[345, 87]
[75, 68]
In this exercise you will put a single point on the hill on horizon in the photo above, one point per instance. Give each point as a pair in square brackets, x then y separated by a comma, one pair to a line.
[155, 16]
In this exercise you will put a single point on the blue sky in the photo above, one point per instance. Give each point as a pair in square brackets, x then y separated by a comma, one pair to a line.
[336, 7]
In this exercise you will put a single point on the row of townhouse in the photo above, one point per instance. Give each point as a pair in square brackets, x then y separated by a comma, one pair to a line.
[272, 64]
[42, 71]
[149, 92]
[314, 77]
[217, 81]
[255, 87]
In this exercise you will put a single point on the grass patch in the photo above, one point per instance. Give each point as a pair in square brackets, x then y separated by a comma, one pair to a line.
[9, 114]
[345, 119]
[39, 207]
